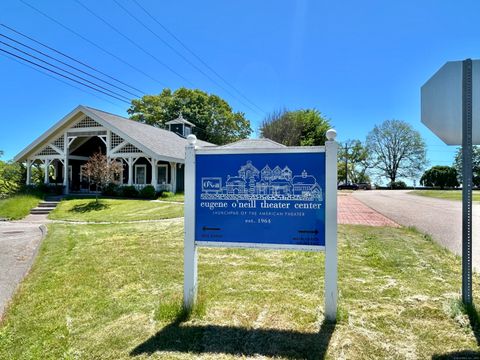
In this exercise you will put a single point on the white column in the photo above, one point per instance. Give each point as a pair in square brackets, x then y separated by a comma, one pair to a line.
[130, 171]
[108, 144]
[173, 177]
[29, 172]
[154, 181]
[189, 248]
[331, 256]
[65, 165]
[46, 165]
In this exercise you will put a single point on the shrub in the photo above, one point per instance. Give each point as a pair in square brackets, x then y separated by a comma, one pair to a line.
[111, 189]
[166, 194]
[129, 191]
[440, 176]
[52, 189]
[398, 185]
[148, 192]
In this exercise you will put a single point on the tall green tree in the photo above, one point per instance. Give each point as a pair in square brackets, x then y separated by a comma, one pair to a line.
[397, 150]
[457, 164]
[12, 177]
[440, 176]
[353, 159]
[213, 117]
[305, 127]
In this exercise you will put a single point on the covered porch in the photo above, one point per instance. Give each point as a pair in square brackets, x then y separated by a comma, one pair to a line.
[62, 161]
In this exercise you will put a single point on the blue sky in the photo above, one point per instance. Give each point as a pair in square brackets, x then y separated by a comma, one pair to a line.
[358, 62]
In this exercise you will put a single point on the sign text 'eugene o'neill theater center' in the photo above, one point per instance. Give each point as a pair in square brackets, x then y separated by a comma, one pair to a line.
[274, 198]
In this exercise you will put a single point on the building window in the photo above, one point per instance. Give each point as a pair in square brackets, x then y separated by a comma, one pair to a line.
[140, 174]
[162, 174]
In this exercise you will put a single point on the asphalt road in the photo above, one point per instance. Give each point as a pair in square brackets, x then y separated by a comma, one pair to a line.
[442, 219]
[19, 243]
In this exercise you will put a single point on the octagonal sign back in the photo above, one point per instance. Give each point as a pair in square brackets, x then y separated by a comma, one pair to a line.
[442, 103]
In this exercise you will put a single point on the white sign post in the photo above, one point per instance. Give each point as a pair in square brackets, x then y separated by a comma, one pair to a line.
[299, 192]
[451, 109]
[331, 255]
[190, 253]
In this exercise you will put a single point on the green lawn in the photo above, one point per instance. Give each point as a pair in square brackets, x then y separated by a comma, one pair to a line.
[179, 197]
[18, 206]
[114, 292]
[114, 210]
[445, 194]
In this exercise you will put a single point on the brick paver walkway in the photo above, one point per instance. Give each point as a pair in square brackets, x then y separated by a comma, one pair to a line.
[352, 211]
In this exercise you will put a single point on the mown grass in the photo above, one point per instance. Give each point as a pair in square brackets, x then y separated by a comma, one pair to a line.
[178, 197]
[113, 210]
[445, 194]
[103, 292]
[18, 206]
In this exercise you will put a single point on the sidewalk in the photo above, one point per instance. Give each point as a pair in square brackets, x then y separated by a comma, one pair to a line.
[19, 243]
[353, 212]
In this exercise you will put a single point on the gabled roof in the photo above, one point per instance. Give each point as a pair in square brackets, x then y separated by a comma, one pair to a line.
[151, 140]
[263, 143]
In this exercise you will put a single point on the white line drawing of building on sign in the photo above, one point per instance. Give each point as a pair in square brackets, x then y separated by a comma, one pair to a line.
[266, 184]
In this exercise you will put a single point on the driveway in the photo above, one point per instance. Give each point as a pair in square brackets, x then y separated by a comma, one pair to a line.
[442, 219]
[19, 242]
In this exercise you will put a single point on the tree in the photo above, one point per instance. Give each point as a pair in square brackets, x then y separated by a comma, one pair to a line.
[353, 156]
[397, 150]
[12, 177]
[102, 171]
[457, 164]
[440, 176]
[213, 117]
[306, 127]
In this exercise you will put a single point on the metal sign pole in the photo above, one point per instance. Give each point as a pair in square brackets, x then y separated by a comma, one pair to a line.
[331, 256]
[467, 182]
[189, 248]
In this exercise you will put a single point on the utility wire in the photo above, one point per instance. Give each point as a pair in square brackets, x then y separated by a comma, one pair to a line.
[73, 59]
[66, 71]
[92, 43]
[195, 55]
[60, 80]
[62, 75]
[66, 64]
[134, 43]
[180, 54]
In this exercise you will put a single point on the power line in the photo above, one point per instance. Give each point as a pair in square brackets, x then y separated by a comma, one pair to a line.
[66, 71]
[179, 53]
[73, 59]
[134, 43]
[195, 55]
[62, 75]
[92, 43]
[66, 64]
[60, 80]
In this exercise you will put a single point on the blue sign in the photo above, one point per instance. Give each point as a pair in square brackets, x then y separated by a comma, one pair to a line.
[273, 198]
